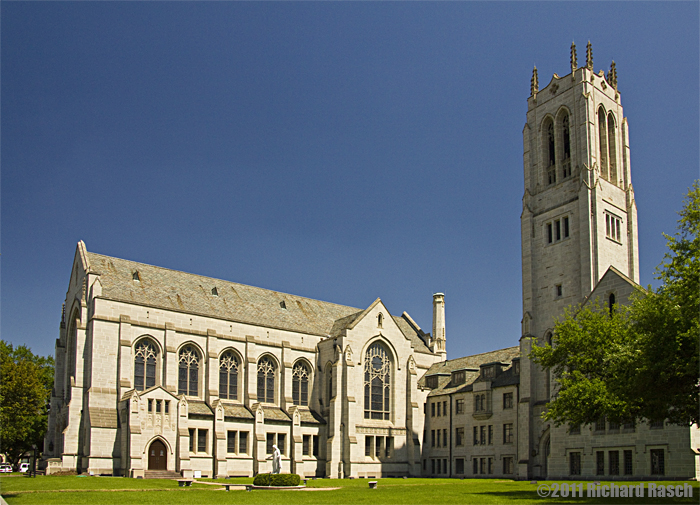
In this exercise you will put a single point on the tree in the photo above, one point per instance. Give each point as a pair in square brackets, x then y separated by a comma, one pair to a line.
[640, 361]
[26, 381]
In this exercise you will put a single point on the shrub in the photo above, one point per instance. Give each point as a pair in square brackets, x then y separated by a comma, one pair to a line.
[281, 479]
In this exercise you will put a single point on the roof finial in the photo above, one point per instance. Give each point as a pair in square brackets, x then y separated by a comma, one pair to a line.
[589, 56]
[612, 76]
[534, 84]
[574, 59]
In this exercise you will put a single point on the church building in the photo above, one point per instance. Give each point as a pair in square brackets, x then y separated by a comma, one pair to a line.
[160, 372]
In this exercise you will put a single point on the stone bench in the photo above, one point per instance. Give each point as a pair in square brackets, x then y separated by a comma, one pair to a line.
[372, 484]
[184, 482]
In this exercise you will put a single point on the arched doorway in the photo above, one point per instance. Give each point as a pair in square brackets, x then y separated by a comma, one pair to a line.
[157, 456]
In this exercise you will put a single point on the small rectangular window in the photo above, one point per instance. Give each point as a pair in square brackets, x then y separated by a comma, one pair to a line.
[490, 466]
[158, 406]
[281, 445]
[150, 405]
[476, 435]
[432, 438]
[439, 405]
[459, 436]
[476, 466]
[657, 462]
[243, 442]
[656, 425]
[444, 438]
[192, 435]
[508, 433]
[490, 434]
[167, 406]
[389, 447]
[459, 406]
[201, 440]
[557, 228]
[566, 227]
[599, 463]
[432, 466]
[459, 466]
[315, 446]
[507, 400]
[559, 290]
[270, 442]
[599, 424]
[379, 447]
[231, 442]
[368, 446]
[628, 462]
[575, 463]
[614, 463]
[549, 233]
[305, 445]
[432, 409]
[444, 408]
[482, 432]
[574, 429]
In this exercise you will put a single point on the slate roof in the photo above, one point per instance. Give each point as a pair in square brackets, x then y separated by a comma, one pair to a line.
[471, 364]
[275, 414]
[184, 292]
[200, 408]
[311, 417]
[237, 411]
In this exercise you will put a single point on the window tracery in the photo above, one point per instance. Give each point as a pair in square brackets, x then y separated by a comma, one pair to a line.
[266, 380]
[228, 376]
[145, 358]
[188, 371]
[377, 383]
[300, 384]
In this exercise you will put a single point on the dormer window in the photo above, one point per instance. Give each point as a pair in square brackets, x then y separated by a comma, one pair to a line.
[459, 377]
[214, 291]
[489, 372]
[516, 367]
[432, 381]
[136, 277]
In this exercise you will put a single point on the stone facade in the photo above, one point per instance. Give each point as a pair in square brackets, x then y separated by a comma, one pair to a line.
[165, 370]
[213, 373]
[579, 244]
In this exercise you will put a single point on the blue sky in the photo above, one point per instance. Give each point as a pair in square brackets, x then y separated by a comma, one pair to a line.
[339, 151]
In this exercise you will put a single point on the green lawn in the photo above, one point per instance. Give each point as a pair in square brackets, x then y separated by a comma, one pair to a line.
[108, 490]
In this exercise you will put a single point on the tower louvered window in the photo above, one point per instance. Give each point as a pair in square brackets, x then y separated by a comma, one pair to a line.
[228, 376]
[300, 384]
[145, 357]
[377, 383]
[566, 161]
[188, 371]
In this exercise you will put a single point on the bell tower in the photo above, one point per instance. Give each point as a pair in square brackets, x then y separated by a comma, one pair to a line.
[579, 215]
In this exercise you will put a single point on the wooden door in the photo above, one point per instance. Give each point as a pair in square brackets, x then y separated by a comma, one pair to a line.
[157, 456]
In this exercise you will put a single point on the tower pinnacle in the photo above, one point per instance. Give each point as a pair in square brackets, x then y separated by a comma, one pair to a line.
[589, 56]
[534, 84]
[574, 59]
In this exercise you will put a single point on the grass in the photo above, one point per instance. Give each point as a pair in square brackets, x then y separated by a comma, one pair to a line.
[108, 490]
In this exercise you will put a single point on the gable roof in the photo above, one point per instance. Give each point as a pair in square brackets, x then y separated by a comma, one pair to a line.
[185, 292]
[471, 366]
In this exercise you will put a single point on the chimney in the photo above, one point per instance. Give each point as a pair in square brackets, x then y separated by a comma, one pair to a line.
[438, 340]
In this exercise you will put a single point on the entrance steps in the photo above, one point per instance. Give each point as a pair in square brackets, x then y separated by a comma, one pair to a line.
[161, 474]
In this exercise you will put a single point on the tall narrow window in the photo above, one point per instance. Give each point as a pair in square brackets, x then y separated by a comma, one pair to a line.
[611, 149]
[266, 380]
[145, 355]
[551, 171]
[188, 373]
[611, 303]
[566, 162]
[329, 378]
[377, 383]
[603, 143]
[228, 376]
[300, 384]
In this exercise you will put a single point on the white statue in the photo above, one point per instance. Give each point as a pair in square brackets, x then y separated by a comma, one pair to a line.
[276, 459]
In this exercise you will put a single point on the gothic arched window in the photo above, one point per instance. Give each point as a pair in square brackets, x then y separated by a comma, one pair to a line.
[603, 143]
[145, 357]
[329, 375]
[566, 155]
[549, 155]
[188, 371]
[377, 383]
[228, 376]
[266, 380]
[300, 384]
[611, 149]
[611, 303]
